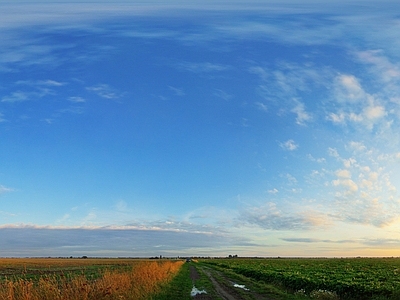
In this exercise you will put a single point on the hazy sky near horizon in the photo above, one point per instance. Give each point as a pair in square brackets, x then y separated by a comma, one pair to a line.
[268, 128]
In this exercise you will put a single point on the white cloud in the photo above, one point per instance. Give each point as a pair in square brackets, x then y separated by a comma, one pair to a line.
[348, 89]
[364, 193]
[287, 87]
[355, 105]
[261, 72]
[261, 106]
[4, 189]
[343, 173]
[18, 96]
[177, 91]
[205, 67]
[32, 90]
[269, 216]
[285, 33]
[222, 94]
[354, 117]
[289, 145]
[349, 162]
[104, 91]
[387, 72]
[374, 112]
[318, 160]
[291, 179]
[349, 185]
[53, 83]
[273, 191]
[357, 146]
[333, 152]
[339, 117]
[302, 115]
[36, 83]
[76, 99]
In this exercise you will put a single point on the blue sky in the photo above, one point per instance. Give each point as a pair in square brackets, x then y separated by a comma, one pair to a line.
[263, 128]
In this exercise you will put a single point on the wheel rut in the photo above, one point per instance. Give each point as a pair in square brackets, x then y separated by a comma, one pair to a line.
[223, 286]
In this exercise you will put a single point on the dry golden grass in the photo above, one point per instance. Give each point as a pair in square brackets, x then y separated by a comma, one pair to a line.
[143, 280]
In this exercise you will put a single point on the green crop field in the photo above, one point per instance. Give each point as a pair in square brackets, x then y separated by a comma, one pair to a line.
[348, 278]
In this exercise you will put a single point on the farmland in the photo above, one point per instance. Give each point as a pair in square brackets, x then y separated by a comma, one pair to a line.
[75, 279]
[348, 278]
[162, 279]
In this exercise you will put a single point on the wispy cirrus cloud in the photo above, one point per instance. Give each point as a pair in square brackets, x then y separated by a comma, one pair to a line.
[222, 94]
[18, 96]
[273, 191]
[177, 91]
[387, 71]
[36, 83]
[203, 67]
[105, 91]
[261, 106]
[285, 89]
[29, 90]
[77, 99]
[4, 189]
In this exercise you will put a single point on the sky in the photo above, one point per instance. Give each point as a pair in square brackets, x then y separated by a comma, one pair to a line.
[200, 128]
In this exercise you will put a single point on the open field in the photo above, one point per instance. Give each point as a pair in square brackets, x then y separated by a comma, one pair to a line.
[75, 279]
[234, 278]
[347, 278]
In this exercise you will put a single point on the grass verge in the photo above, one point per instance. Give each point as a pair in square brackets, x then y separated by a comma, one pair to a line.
[178, 288]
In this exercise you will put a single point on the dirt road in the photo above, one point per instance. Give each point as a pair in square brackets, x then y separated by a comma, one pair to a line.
[223, 286]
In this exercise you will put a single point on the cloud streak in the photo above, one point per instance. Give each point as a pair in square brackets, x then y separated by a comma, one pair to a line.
[27, 240]
[105, 91]
[4, 189]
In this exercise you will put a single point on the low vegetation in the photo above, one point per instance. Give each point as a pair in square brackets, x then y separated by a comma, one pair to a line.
[161, 279]
[86, 279]
[347, 278]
